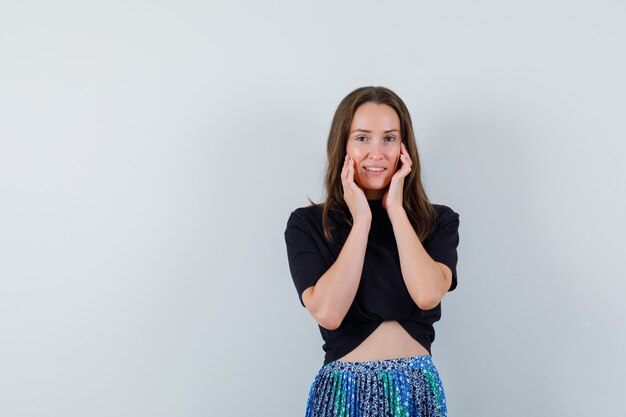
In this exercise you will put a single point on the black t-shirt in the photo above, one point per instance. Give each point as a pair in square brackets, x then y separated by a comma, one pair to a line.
[382, 293]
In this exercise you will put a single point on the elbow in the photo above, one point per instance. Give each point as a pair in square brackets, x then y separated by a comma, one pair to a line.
[428, 301]
[328, 320]
[323, 313]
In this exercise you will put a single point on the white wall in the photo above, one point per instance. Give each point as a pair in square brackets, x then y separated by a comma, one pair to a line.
[151, 152]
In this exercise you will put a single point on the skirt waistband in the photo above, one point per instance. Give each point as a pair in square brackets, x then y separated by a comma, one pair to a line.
[424, 361]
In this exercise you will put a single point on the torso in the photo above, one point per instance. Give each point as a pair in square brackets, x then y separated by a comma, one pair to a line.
[388, 341]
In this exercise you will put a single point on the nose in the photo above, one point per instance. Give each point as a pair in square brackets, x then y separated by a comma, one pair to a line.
[376, 151]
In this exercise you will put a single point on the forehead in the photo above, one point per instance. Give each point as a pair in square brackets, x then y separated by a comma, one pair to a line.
[371, 115]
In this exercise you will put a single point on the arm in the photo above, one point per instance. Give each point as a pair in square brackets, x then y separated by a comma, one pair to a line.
[426, 280]
[330, 298]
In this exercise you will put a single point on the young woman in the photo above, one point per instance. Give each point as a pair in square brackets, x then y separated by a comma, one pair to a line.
[371, 265]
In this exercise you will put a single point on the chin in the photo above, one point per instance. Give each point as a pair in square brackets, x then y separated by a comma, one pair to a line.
[375, 187]
[374, 184]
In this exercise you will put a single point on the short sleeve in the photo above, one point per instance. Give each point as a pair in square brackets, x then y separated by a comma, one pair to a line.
[306, 263]
[445, 240]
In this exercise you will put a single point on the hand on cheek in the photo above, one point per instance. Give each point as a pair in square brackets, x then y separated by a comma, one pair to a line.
[357, 175]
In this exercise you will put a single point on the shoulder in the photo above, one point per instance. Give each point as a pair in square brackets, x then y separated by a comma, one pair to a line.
[309, 218]
[306, 217]
[305, 213]
[445, 213]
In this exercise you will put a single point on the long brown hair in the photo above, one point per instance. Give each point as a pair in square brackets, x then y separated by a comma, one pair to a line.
[420, 211]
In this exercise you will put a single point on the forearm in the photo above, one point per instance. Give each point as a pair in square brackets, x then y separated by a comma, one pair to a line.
[422, 276]
[334, 292]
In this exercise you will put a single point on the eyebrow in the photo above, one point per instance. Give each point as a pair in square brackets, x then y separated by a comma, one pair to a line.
[369, 131]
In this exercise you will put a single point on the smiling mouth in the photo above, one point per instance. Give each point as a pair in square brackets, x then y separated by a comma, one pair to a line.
[374, 172]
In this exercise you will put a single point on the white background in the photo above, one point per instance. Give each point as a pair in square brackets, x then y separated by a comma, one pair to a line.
[151, 152]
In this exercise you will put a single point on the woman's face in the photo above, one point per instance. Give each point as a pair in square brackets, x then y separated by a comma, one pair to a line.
[374, 142]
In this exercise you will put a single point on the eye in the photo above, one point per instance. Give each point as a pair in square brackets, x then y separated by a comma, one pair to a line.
[391, 138]
[360, 137]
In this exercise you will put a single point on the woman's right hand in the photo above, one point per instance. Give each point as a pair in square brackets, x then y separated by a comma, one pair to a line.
[353, 194]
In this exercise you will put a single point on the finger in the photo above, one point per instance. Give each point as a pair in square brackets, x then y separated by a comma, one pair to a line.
[351, 171]
[346, 178]
[344, 169]
[406, 162]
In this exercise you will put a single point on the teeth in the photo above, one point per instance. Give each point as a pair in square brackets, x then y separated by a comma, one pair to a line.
[374, 169]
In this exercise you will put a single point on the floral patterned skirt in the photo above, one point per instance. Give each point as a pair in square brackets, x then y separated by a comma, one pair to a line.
[406, 387]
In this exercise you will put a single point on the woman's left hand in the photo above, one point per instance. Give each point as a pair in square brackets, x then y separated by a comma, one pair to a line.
[392, 199]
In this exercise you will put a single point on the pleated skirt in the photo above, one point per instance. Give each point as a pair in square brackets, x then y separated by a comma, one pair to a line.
[401, 387]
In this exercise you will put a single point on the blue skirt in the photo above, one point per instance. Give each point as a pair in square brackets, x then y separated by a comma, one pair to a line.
[407, 387]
